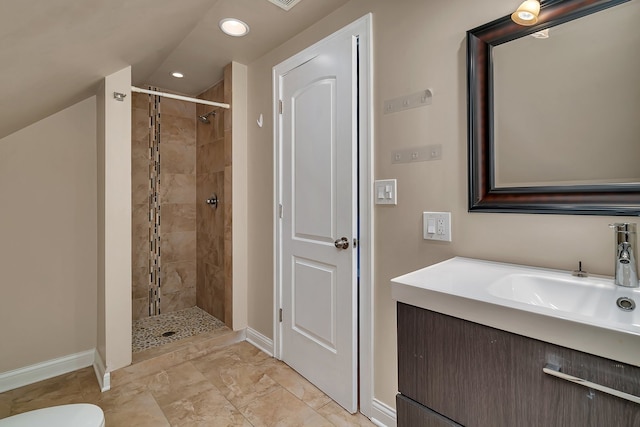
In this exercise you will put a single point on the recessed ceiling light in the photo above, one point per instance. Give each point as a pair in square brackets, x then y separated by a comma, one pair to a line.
[177, 75]
[234, 27]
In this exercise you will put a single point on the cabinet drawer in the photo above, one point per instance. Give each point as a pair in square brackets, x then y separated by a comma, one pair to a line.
[413, 414]
[479, 376]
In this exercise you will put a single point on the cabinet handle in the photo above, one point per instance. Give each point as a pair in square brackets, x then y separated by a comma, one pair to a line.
[555, 371]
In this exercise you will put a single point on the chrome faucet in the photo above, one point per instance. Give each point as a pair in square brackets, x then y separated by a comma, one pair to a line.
[626, 266]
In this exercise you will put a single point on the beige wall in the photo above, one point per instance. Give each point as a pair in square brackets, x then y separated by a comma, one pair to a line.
[417, 45]
[240, 238]
[114, 221]
[48, 238]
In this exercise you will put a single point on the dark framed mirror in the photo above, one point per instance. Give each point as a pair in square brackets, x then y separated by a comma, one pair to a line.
[495, 181]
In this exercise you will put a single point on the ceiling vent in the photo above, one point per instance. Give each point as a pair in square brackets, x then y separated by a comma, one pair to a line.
[285, 4]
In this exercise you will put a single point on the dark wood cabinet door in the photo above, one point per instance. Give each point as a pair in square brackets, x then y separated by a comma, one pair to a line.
[541, 399]
[412, 414]
[479, 376]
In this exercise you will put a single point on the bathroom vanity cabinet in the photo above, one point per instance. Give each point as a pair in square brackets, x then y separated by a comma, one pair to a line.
[453, 372]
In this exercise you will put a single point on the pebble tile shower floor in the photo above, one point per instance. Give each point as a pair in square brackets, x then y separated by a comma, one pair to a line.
[155, 331]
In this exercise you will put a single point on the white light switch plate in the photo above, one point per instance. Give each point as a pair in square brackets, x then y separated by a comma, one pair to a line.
[386, 192]
[442, 229]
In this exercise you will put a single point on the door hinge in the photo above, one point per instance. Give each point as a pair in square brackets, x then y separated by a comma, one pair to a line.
[280, 107]
[280, 315]
[280, 211]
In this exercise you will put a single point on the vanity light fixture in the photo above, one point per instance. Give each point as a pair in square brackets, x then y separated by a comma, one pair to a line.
[234, 27]
[177, 74]
[527, 13]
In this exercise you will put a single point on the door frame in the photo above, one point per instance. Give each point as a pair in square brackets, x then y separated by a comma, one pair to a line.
[363, 29]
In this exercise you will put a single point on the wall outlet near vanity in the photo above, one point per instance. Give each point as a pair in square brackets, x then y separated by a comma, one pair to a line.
[436, 226]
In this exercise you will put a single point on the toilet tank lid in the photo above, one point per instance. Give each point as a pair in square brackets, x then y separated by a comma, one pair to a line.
[75, 415]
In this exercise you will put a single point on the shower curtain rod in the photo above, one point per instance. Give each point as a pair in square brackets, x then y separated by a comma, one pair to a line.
[180, 97]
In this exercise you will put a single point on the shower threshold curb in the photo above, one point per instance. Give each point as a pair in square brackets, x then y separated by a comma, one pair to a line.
[161, 358]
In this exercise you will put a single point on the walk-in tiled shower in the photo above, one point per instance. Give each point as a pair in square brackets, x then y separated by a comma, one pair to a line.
[179, 241]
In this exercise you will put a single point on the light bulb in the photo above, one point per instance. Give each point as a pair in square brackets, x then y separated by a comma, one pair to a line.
[527, 13]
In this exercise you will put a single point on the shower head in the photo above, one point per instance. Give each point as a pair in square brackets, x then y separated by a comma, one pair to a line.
[205, 118]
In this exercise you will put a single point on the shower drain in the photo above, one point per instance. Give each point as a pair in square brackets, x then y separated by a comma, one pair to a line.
[168, 333]
[626, 304]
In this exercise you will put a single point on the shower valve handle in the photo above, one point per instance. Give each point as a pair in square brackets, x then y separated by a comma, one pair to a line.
[213, 201]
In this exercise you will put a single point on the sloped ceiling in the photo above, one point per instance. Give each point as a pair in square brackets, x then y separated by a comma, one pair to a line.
[54, 53]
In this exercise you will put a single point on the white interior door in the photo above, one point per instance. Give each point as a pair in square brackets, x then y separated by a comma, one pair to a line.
[318, 179]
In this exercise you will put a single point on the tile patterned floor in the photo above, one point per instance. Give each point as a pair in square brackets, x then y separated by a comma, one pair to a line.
[148, 332]
[237, 385]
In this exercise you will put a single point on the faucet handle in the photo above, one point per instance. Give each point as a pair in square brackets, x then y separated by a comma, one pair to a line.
[624, 231]
[624, 227]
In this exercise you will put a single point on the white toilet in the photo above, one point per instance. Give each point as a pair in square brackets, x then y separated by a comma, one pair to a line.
[76, 415]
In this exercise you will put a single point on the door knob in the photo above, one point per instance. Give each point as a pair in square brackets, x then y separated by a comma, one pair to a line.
[342, 243]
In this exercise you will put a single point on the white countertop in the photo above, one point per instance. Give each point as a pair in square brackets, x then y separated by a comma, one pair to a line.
[466, 288]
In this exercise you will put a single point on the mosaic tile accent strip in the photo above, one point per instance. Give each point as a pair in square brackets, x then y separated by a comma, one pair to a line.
[150, 332]
[154, 207]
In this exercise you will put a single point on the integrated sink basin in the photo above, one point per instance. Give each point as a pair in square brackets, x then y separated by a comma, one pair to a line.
[580, 296]
[591, 314]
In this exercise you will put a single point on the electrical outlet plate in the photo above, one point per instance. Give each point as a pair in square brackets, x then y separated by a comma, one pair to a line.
[442, 222]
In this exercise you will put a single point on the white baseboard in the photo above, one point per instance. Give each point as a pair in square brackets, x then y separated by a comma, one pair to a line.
[104, 377]
[45, 370]
[262, 342]
[382, 414]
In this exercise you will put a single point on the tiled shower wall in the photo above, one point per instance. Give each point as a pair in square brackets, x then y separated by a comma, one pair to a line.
[141, 135]
[140, 189]
[176, 195]
[178, 204]
[214, 225]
